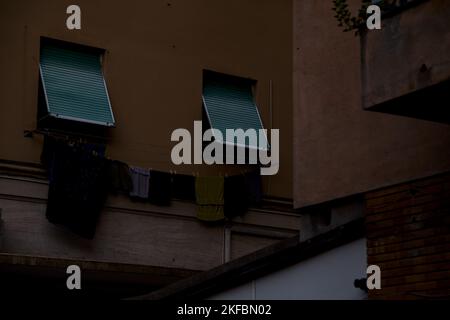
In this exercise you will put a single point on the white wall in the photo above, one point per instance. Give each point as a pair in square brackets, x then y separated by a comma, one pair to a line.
[326, 276]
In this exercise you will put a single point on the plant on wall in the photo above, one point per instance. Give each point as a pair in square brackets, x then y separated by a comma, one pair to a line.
[346, 19]
[349, 22]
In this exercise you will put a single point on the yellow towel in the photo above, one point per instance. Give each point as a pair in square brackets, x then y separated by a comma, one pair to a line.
[209, 193]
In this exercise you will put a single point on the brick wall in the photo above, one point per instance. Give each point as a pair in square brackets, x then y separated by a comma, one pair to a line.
[408, 237]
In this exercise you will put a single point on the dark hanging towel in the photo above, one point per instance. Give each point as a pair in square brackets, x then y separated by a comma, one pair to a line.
[236, 196]
[159, 189]
[254, 187]
[140, 180]
[183, 187]
[209, 193]
[48, 152]
[77, 187]
[119, 177]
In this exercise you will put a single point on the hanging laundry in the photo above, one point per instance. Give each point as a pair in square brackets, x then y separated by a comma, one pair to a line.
[51, 144]
[78, 187]
[140, 180]
[183, 187]
[210, 198]
[119, 177]
[236, 196]
[95, 149]
[159, 190]
[48, 150]
[254, 187]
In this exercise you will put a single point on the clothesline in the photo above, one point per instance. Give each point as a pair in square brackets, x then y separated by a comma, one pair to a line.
[87, 139]
[81, 176]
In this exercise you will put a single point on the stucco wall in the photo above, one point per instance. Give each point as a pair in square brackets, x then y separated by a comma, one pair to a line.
[339, 149]
[409, 53]
[133, 232]
[156, 51]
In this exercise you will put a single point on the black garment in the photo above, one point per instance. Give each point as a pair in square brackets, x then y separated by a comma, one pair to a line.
[183, 187]
[254, 187]
[48, 150]
[77, 189]
[236, 196]
[51, 144]
[159, 188]
[119, 177]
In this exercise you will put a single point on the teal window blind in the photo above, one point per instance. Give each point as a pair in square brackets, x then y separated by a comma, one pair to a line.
[229, 104]
[74, 86]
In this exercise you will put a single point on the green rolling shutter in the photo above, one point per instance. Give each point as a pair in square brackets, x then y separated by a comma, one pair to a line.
[229, 104]
[74, 85]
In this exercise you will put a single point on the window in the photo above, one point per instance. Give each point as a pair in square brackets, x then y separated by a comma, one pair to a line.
[72, 84]
[229, 104]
